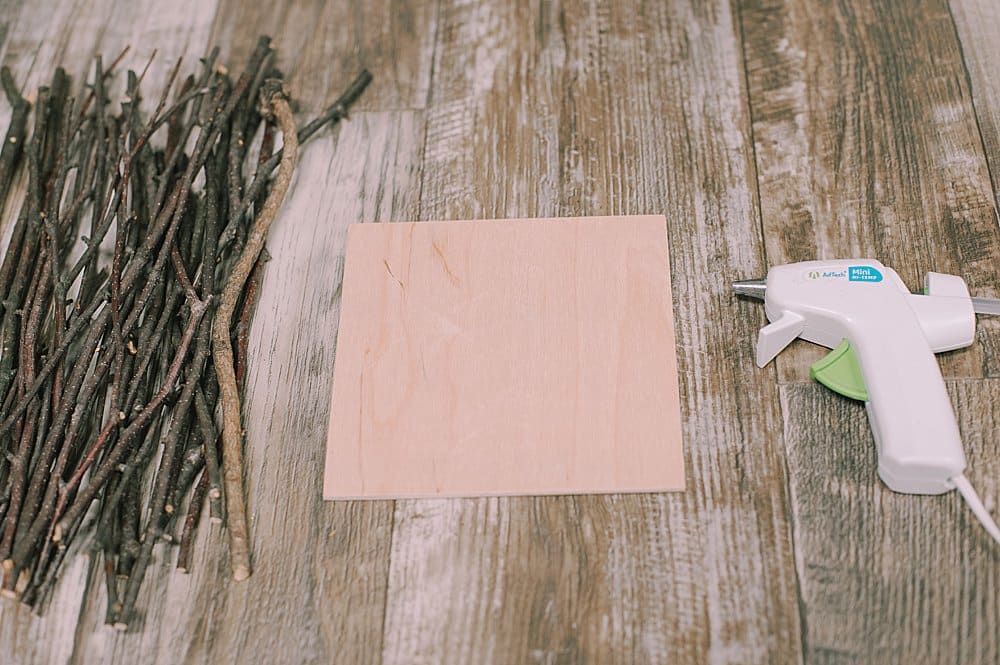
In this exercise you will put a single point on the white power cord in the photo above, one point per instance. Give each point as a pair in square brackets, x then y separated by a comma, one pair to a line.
[978, 509]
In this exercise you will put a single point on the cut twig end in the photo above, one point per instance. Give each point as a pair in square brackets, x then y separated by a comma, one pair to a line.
[356, 88]
[270, 91]
[10, 89]
[241, 572]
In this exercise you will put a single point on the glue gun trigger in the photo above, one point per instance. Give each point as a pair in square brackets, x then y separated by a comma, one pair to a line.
[777, 335]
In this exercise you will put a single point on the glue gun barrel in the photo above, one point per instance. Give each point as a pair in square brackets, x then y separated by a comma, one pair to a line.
[988, 306]
[754, 288]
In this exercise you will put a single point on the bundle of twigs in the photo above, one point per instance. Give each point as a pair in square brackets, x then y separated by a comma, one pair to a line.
[131, 271]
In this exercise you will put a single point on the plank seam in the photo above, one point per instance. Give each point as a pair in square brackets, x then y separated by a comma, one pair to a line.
[793, 527]
[420, 197]
[787, 494]
[388, 574]
[427, 107]
[750, 120]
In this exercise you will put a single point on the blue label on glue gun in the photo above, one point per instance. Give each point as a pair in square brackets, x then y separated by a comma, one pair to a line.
[863, 274]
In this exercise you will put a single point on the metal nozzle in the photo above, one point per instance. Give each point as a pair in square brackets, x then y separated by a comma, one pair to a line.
[988, 306]
[754, 288]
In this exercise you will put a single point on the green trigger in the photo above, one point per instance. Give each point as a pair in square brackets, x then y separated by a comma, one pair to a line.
[839, 371]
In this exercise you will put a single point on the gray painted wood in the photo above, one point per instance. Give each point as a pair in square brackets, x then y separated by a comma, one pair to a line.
[886, 577]
[588, 108]
[977, 23]
[766, 132]
[867, 145]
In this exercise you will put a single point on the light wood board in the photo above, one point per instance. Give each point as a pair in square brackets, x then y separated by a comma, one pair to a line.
[487, 358]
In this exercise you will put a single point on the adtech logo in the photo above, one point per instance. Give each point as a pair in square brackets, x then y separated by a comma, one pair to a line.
[863, 274]
[826, 274]
[850, 273]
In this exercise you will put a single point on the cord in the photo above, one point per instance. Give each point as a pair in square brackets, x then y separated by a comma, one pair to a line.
[978, 509]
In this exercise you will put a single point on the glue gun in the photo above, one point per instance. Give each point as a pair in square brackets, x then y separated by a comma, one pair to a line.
[884, 339]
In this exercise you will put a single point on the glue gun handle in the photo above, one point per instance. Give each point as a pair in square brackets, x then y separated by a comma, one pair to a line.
[916, 434]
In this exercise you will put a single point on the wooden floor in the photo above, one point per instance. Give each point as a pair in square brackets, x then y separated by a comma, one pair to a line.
[766, 132]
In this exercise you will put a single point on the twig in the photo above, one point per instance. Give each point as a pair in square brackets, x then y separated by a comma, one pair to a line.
[209, 439]
[13, 142]
[232, 434]
[82, 502]
[333, 114]
[191, 524]
[94, 345]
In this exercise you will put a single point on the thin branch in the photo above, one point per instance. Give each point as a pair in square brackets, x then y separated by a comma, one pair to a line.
[232, 433]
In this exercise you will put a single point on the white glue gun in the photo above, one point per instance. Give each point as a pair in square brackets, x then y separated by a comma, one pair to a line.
[884, 339]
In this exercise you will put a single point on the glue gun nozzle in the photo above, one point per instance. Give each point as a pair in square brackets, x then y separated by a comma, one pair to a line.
[754, 288]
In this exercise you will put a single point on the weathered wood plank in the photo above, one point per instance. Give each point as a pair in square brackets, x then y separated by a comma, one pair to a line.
[977, 23]
[325, 44]
[886, 577]
[593, 108]
[867, 145]
[582, 108]
[60, 33]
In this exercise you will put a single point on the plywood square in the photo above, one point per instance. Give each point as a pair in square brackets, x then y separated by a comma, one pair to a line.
[531, 356]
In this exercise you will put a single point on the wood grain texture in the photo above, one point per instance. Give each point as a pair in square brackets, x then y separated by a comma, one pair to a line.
[511, 357]
[852, 122]
[885, 577]
[867, 146]
[977, 23]
[593, 108]
[327, 43]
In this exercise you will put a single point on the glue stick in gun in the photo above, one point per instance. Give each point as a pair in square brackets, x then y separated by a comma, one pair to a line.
[884, 339]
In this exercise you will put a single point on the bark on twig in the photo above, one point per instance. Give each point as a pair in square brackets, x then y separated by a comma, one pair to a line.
[222, 351]
[112, 363]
